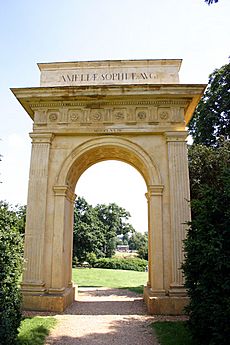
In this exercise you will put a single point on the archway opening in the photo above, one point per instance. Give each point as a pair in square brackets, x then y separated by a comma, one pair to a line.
[116, 187]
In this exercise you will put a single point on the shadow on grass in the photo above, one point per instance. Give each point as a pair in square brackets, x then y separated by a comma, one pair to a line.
[173, 333]
[138, 289]
[35, 330]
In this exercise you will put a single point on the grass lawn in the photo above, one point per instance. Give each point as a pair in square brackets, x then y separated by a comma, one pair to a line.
[34, 330]
[99, 277]
[172, 333]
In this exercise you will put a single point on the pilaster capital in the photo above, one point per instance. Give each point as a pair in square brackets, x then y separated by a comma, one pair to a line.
[154, 190]
[42, 138]
[64, 191]
[179, 136]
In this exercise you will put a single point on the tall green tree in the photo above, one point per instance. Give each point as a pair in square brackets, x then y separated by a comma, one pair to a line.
[11, 261]
[207, 247]
[211, 120]
[88, 232]
[96, 228]
[115, 223]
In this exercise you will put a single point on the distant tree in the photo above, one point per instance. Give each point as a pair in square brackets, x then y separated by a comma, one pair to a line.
[88, 232]
[96, 229]
[211, 120]
[139, 242]
[115, 223]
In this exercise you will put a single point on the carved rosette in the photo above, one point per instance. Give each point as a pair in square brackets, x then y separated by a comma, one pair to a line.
[53, 117]
[156, 113]
[96, 115]
[164, 114]
[75, 115]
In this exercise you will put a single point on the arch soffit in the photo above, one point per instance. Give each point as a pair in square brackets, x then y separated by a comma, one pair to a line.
[100, 149]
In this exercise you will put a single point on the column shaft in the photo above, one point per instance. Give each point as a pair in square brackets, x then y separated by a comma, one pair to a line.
[62, 239]
[179, 203]
[156, 267]
[36, 213]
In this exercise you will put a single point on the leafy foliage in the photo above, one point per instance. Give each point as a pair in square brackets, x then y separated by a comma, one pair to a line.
[96, 229]
[211, 1]
[139, 242]
[114, 219]
[207, 246]
[10, 271]
[88, 236]
[132, 264]
[211, 120]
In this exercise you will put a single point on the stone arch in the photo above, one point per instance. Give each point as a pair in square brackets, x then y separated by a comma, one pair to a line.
[137, 117]
[78, 160]
[107, 148]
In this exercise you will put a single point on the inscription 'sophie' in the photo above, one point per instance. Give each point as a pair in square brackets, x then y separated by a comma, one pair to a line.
[120, 76]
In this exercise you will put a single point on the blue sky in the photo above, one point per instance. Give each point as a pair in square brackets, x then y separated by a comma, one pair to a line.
[72, 30]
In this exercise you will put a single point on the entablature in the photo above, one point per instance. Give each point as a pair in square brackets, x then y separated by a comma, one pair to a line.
[110, 105]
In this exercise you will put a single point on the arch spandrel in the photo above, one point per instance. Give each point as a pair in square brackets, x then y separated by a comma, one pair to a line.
[107, 148]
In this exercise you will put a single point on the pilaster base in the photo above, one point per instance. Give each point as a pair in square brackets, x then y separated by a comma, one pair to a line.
[164, 305]
[48, 302]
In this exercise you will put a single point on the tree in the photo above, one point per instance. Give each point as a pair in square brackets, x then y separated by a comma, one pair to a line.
[10, 270]
[211, 120]
[211, 1]
[115, 223]
[88, 234]
[207, 247]
[139, 242]
[96, 229]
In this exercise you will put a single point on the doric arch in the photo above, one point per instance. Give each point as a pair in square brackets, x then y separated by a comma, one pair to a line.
[107, 148]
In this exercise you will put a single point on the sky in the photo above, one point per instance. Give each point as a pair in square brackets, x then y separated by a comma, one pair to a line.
[78, 30]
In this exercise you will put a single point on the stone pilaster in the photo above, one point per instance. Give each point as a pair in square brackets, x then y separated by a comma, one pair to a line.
[62, 240]
[155, 240]
[179, 204]
[36, 214]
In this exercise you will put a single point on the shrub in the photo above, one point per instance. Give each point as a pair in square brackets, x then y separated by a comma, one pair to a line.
[207, 263]
[133, 264]
[10, 271]
[91, 258]
[75, 262]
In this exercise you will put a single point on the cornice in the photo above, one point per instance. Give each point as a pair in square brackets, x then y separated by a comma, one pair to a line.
[31, 98]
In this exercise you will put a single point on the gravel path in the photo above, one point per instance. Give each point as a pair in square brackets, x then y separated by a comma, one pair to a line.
[104, 317]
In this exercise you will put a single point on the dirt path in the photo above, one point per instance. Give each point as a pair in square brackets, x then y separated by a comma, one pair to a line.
[104, 317]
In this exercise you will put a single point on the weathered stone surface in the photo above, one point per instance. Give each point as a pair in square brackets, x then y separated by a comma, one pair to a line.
[76, 126]
[110, 72]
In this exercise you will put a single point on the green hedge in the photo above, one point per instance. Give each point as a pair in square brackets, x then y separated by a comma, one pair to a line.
[207, 247]
[10, 271]
[132, 264]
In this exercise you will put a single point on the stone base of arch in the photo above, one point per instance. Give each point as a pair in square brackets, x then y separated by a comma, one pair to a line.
[48, 301]
[159, 304]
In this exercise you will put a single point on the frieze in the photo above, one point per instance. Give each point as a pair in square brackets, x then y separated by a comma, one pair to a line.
[129, 115]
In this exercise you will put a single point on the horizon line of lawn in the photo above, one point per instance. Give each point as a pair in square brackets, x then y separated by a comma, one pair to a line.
[110, 278]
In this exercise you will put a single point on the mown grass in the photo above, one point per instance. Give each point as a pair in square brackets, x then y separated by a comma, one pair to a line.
[99, 277]
[172, 333]
[35, 330]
